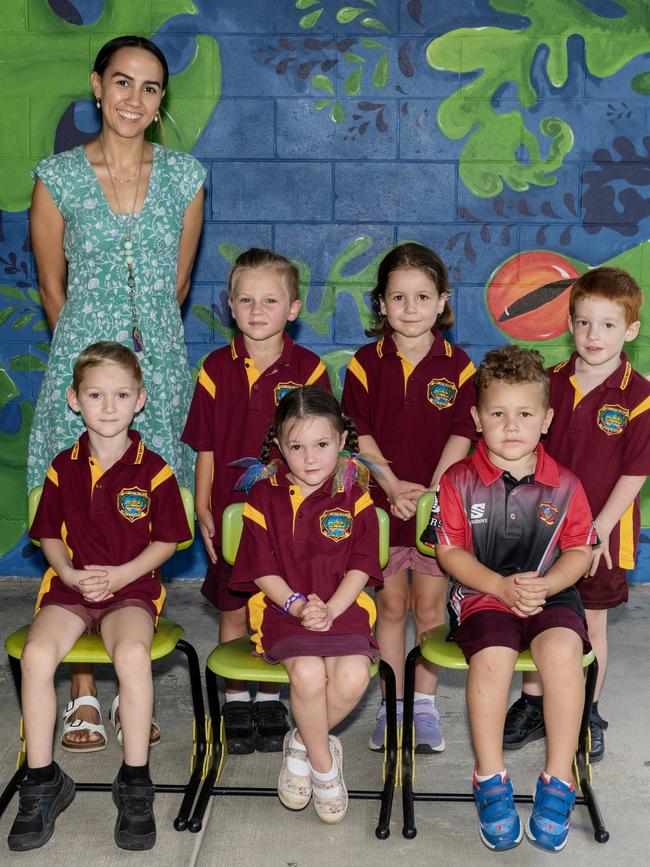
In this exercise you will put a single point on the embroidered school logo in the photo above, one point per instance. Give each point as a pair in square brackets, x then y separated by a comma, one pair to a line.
[441, 393]
[548, 513]
[336, 524]
[612, 419]
[283, 388]
[133, 504]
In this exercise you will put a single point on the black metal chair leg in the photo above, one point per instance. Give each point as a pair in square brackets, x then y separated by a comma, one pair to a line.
[382, 831]
[408, 829]
[196, 822]
[601, 834]
[180, 822]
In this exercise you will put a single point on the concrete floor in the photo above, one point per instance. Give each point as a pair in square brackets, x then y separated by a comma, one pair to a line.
[258, 832]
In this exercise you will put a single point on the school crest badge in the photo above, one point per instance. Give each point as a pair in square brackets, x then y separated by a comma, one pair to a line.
[283, 388]
[441, 393]
[548, 513]
[336, 524]
[612, 419]
[133, 504]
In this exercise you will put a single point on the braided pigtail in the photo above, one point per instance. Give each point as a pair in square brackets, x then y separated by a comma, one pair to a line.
[267, 445]
[352, 439]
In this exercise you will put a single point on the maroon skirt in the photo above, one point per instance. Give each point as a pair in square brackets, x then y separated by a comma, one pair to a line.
[321, 644]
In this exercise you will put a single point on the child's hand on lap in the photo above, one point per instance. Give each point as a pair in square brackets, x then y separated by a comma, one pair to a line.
[79, 579]
[98, 590]
[316, 615]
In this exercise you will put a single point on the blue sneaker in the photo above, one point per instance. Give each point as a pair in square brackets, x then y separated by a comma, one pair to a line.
[548, 826]
[378, 737]
[498, 823]
[427, 728]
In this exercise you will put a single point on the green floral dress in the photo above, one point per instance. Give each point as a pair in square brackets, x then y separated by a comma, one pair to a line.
[98, 308]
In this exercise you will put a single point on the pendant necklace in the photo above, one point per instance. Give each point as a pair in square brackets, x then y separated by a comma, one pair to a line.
[125, 221]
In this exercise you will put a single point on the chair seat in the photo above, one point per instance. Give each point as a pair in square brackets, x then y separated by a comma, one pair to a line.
[235, 660]
[90, 648]
[435, 648]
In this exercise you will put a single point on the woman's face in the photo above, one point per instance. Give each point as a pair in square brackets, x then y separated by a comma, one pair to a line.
[130, 91]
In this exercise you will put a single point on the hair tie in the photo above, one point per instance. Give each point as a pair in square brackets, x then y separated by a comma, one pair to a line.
[255, 471]
[352, 467]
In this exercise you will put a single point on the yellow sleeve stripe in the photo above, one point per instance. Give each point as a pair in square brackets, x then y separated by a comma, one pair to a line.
[53, 476]
[254, 515]
[638, 410]
[465, 375]
[161, 477]
[355, 368]
[362, 503]
[316, 375]
[559, 366]
[207, 383]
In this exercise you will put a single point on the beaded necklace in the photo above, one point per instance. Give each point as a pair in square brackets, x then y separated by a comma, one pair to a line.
[124, 222]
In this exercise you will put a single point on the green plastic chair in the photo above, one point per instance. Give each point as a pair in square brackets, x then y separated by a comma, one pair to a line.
[90, 649]
[234, 659]
[436, 647]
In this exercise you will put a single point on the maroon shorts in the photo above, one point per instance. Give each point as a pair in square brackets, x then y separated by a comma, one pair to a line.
[403, 557]
[502, 629]
[606, 589]
[92, 617]
[215, 586]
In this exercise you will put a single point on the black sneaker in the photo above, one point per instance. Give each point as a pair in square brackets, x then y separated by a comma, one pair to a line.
[239, 726]
[271, 725]
[135, 827]
[597, 718]
[524, 723]
[597, 739]
[39, 805]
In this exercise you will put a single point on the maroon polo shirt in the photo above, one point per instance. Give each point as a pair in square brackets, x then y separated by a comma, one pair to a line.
[310, 542]
[108, 518]
[509, 525]
[601, 437]
[233, 407]
[411, 412]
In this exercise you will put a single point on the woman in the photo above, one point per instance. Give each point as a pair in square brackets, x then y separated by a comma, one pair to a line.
[115, 226]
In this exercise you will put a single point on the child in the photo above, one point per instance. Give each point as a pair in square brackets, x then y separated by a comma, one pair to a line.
[310, 544]
[109, 516]
[410, 395]
[515, 528]
[238, 389]
[601, 431]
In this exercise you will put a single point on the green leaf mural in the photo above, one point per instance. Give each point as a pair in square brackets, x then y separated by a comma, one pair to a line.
[47, 68]
[494, 138]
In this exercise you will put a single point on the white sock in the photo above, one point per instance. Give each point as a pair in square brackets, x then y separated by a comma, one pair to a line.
[238, 696]
[480, 778]
[267, 696]
[547, 779]
[299, 766]
[328, 794]
[424, 696]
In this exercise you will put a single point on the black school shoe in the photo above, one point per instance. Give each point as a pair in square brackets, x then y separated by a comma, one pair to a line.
[597, 750]
[135, 827]
[271, 725]
[524, 723]
[39, 805]
[239, 727]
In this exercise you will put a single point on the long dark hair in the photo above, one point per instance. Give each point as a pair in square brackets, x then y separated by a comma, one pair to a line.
[417, 256]
[305, 401]
[107, 51]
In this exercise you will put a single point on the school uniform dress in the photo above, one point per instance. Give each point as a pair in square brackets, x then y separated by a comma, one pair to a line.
[411, 412]
[108, 518]
[602, 436]
[232, 408]
[312, 543]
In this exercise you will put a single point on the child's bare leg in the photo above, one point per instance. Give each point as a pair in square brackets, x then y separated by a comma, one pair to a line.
[307, 675]
[393, 601]
[428, 598]
[557, 654]
[347, 680]
[531, 683]
[488, 683]
[51, 635]
[83, 683]
[127, 635]
[597, 628]
[232, 624]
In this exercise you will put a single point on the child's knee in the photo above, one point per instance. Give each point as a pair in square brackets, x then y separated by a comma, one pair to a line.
[39, 656]
[130, 657]
[353, 678]
[429, 610]
[393, 606]
[307, 676]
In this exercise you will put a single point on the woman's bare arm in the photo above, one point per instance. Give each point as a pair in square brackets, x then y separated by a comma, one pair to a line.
[190, 234]
[47, 243]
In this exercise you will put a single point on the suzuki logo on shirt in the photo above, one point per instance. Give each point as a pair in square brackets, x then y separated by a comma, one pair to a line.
[477, 513]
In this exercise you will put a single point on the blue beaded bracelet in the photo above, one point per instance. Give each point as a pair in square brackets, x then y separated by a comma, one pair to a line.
[291, 599]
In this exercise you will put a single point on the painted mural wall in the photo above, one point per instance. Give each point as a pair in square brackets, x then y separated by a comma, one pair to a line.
[509, 135]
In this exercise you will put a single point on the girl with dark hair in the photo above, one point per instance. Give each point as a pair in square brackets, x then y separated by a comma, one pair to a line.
[310, 545]
[115, 226]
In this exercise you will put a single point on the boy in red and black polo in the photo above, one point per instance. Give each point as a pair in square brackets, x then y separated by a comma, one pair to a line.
[600, 430]
[110, 514]
[237, 392]
[514, 530]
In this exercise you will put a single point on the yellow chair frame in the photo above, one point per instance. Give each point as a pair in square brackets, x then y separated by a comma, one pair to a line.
[234, 659]
[436, 648]
[90, 648]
